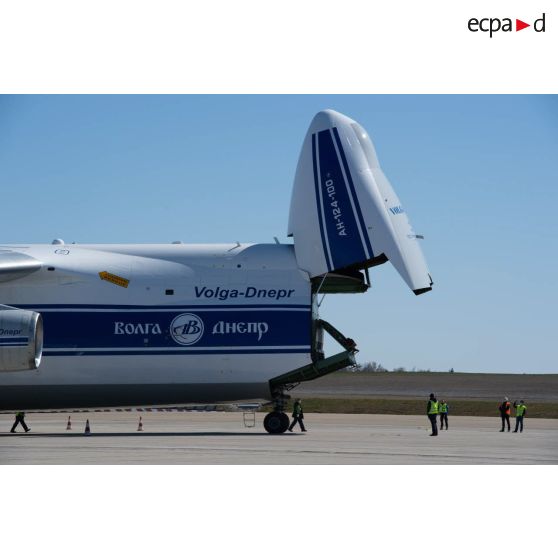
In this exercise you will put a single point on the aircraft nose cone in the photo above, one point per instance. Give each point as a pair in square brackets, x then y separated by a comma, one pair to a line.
[328, 119]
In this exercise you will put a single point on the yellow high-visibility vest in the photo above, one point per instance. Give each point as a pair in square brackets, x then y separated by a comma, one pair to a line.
[520, 410]
[443, 408]
[433, 408]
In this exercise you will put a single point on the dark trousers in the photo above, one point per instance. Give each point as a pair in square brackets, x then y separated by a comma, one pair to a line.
[434, 423]
[518, 424]
[505, 418]
[19, 420]
[443, 418]
[299, 420]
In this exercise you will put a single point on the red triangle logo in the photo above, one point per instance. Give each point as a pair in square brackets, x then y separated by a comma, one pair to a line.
[519, 25]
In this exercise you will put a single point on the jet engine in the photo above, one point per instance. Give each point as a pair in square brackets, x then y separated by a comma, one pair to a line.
[21, 339]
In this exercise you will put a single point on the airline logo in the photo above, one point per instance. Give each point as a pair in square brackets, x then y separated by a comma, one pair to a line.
[221, 293]
[186, 329]
[12, 338]
[223, 328]
[492, 25]
[128, 328]
[10, 331]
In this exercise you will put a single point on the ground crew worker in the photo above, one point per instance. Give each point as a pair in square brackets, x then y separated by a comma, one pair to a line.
[432, 412]
[443, 409]
[520, 411]
[298, 415]
[505, 410]
[19, 419]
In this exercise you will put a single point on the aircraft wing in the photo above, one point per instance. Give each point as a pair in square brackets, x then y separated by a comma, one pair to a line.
[14, 265]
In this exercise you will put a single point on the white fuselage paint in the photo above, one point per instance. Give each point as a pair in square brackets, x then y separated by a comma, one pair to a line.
[238, 314]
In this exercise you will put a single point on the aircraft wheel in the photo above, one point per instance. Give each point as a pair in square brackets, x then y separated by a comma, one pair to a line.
[276, 422]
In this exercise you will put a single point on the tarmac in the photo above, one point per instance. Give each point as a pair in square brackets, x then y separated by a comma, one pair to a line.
[221, 438]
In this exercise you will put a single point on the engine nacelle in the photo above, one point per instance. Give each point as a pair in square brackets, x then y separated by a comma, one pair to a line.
[21, 339]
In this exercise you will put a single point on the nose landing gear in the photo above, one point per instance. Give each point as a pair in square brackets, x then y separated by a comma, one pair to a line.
[276, 422]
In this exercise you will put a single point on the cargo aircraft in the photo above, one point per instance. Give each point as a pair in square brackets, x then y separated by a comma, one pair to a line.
[162, 324]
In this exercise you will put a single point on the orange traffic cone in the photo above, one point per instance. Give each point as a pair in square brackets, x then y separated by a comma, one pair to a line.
[69, 425]
[140, 426]
[87, 429]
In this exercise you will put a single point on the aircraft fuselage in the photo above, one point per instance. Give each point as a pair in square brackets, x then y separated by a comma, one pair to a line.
[160, 324]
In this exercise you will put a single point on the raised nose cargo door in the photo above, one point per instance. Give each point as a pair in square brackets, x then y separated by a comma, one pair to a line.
[344, 213]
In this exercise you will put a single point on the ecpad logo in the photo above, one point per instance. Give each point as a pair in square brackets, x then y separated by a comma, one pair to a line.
[186, 329]
[493, 25]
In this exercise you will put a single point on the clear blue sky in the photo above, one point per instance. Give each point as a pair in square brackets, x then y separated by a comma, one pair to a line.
[478, 176]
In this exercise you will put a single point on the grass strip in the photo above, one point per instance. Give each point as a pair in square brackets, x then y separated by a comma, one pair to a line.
[466, 408]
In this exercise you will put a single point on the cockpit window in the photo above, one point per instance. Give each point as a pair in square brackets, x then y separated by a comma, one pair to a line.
[366, 144]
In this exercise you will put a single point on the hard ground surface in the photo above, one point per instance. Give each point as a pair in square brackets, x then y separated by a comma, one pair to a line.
[222, 438]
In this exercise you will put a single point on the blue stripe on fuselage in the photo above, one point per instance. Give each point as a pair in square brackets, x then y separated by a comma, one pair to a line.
[208, 329]
[4, 340]
[229, 351]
